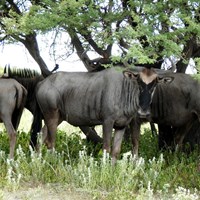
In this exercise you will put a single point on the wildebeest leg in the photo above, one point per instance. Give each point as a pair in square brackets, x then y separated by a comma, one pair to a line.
[153, 129]
[16, 119]
[135, 127]
[128, 130]
[12, 136]
[192, 136]
[52, 122]
[44, 133]
[107, 135]
[127, 134]
[118, 136]
[51, 134]
[91, 134]
[35, 129]
[165, 137]
[36, 126]
[180, 134]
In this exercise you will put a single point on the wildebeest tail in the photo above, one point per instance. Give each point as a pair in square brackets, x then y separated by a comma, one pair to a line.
[36, 126]
[20, 96]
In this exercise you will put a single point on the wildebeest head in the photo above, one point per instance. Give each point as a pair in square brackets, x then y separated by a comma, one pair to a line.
[147, 80]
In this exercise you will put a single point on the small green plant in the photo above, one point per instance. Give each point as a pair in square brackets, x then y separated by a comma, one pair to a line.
[75, 163]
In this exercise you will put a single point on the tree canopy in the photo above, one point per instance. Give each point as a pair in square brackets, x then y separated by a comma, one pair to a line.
[144, 31]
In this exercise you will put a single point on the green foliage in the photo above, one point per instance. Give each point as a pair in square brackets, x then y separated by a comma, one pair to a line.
[147, 30]
[76, 163]
[197, 61]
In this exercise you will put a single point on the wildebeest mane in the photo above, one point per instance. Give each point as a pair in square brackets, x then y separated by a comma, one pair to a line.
[18, 72]
[158, 107]
[131, 96]
[27, 77]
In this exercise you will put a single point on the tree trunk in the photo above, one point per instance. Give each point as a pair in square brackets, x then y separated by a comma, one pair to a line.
[191, 48]
[30, 42]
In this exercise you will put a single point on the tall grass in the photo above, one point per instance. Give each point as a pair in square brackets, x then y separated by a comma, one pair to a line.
[77, 164]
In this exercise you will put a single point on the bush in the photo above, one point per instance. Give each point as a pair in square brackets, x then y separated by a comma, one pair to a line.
[75, 163]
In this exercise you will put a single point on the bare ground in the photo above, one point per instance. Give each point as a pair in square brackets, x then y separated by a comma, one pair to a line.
[44, 193]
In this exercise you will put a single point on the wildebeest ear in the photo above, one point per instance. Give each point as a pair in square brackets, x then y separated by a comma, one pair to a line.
[165, 79]
[130, 75]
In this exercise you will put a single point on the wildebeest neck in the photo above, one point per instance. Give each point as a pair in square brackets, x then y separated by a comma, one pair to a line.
[129, 96]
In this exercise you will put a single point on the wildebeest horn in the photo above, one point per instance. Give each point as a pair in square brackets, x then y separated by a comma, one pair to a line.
[55, 68]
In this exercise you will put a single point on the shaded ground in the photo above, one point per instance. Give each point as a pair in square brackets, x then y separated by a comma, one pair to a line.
[44, 192]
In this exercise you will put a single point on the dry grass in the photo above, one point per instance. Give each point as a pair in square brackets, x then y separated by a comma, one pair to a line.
[47, 192]
[26, 121]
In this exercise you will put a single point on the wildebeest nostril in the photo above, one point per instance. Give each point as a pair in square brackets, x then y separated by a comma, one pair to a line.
[143, 113]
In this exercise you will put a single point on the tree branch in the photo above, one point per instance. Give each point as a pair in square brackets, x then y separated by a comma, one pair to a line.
[14, 6]
[30, 42]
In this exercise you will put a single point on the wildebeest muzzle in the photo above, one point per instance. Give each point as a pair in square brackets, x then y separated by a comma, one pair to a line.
[145, 99]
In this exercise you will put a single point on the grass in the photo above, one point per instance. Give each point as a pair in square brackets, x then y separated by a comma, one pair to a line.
[76, 165]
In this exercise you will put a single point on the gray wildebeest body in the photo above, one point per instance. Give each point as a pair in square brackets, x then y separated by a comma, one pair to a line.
[29, 79]
[12, 101]
[174, 105]
[110, 97]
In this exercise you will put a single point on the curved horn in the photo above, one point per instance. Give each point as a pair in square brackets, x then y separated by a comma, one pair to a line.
[55, 68]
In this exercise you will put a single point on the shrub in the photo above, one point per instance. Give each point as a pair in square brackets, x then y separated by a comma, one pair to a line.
[75, 163]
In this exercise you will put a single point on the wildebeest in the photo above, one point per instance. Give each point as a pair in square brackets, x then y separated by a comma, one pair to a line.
[12, 101]
[29, 79]
[176, 105]
[189, 133]
[110, 97]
